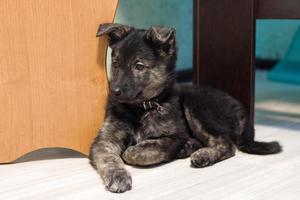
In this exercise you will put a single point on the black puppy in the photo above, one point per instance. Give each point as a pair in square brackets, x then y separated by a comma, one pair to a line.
[149, 120]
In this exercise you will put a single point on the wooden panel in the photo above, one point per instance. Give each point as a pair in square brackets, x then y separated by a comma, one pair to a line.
[53, 83]
[224, 39]
[278, 9]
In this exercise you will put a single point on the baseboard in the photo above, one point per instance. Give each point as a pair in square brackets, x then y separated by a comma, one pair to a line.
[184, 75]
[266, 64]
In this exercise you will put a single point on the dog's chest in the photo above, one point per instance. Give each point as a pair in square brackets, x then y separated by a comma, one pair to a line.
[154, 124]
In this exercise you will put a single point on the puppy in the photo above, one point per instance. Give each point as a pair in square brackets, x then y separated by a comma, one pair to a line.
[150, 120]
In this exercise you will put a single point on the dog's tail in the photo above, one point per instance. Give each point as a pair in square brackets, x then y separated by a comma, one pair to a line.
[247, 144]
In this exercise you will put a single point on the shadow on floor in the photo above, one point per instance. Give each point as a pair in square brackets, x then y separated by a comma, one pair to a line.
[50, 153]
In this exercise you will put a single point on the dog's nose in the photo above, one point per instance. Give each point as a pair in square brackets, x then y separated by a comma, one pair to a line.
[116, 91]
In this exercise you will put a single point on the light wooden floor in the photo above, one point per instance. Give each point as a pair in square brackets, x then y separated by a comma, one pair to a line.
[69, 176]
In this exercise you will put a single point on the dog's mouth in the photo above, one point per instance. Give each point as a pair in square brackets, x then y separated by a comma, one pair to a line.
[137, 98]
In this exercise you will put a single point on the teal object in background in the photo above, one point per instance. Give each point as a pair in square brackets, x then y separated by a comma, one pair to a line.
[288, 69]
[272, 36]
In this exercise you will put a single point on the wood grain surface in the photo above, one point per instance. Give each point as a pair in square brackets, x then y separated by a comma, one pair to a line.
[53, 84]
[224, 44]
[277, 9]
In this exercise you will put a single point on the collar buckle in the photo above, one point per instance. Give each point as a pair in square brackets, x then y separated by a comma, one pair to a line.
[148, 105]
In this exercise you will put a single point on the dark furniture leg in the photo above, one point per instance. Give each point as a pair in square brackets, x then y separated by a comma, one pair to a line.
[224, 45]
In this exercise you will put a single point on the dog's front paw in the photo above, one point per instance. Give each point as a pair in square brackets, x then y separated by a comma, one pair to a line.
[202, 158]
[118, 181]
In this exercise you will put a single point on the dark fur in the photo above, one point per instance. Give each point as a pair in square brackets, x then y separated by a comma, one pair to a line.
[201, 122]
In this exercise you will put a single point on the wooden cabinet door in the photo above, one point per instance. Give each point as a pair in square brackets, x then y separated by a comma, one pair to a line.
[53, 84]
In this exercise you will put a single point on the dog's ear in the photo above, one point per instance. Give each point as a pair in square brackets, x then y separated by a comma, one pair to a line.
[163, 38]
[115, 32]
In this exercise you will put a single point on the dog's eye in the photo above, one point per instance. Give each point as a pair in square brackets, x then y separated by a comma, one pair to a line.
[139, 66]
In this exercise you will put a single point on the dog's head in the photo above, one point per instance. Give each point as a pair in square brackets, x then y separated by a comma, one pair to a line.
[143, 61]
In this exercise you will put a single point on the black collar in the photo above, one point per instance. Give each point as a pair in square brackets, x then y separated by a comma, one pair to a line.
[156, 103]
[149, 105]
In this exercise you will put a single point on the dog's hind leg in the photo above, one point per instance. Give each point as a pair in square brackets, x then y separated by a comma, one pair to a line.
[218, 149]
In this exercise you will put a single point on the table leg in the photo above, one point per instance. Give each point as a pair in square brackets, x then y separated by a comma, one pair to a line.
[224, 48]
